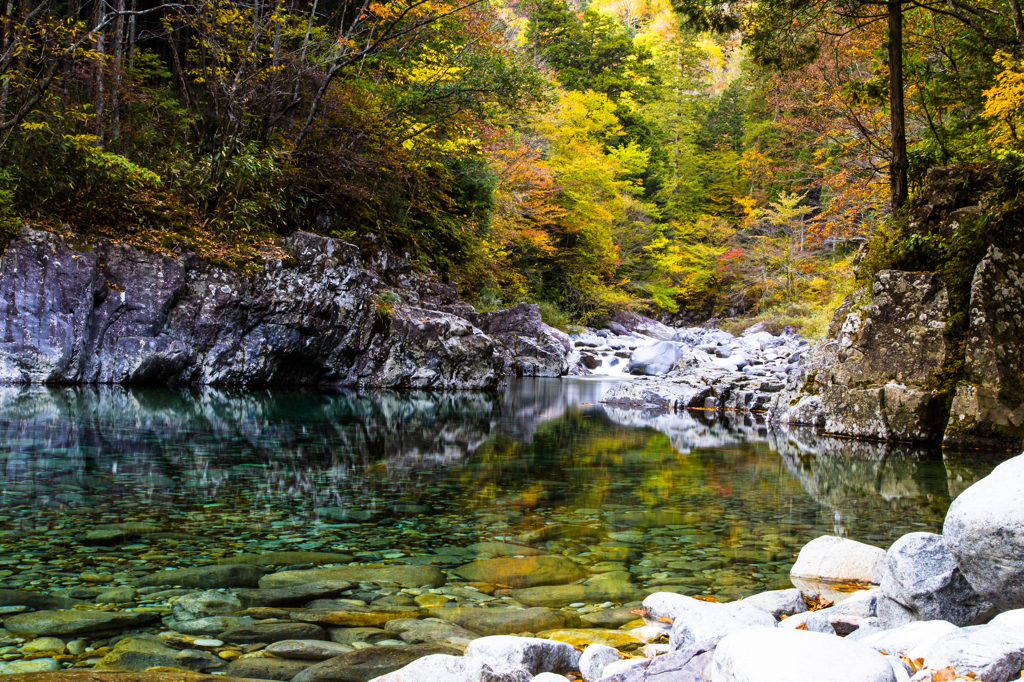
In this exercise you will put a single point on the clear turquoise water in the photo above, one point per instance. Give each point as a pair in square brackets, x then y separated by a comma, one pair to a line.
[719, 505]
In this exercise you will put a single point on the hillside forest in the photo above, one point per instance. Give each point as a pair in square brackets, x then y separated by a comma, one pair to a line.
[695, 160]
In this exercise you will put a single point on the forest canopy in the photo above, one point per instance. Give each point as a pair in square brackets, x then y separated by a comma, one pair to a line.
[690, 159]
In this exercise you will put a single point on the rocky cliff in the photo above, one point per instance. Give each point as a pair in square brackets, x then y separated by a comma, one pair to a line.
[933, 350]
[328, 315]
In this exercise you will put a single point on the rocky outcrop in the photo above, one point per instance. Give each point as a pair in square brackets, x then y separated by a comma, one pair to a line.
[928, 356]
[325, 316]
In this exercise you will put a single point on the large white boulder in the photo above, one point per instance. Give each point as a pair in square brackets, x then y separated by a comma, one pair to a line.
[993, 654]
[984, 530]
[912, 641]
[833, 560]
[782, 655]
[718, 620]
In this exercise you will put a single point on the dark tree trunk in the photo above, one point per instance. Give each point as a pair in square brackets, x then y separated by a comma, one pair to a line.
[898, 164]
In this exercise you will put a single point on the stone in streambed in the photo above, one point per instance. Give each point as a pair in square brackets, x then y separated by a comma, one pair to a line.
[296, 595]
[522, 572]
[563, 595]
[307, 649]
[198, 660]
[984, 530]
[491, 550]
[404, 576]
[610, 619]
[430, 630]
[60, 623]
[272, 632]
[367, 664]
[350, 635]
[287, 558]
[205, 604]
[209, 626]
[29, 667]
[35, 600]
[48, 644]
[356, 616]
[783, 655]
[623, 641]
[206, 577]
[136, 654]
[496, 621]
[282, 669]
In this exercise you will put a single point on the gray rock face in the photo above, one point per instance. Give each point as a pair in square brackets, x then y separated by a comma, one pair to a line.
[692, 664]
[525, 653]
[327, 315]
[779, 602]
[988, 407]
[984, 530]
[595, 659]
[922, 577]
[875, 377]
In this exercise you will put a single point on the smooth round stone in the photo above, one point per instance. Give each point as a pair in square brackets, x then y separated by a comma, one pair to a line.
[207, 642]
[307, 649]
[36, 665]
[785, 655]
[53, 644]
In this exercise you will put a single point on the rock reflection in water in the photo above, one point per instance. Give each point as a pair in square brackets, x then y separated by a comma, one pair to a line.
[709, 503]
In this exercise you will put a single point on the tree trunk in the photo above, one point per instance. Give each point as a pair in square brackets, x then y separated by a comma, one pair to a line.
[1018, 21]
[898, 163]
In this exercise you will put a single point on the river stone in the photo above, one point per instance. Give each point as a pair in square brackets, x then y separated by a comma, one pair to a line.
[34, 666]
[831, 559]
[272, 632]
[356, 616]
[993, 654]
[209, 626]
[580, 638]
[782, 655]
[35, 600]
[563, 595]
[549, 677]
[913, 640]
[779, 602]
[594, 660]
[430, 630]
[497, 621]
[692, 664]
[60, 623]
[295, 595]
[718, 620]
[366, 664]
[404, 576]
[984, 531]
[205, 604]
[307, 649]
[267, 668]
[524, 653]
[117, 595]
[349, 635]
[287, 558]
[50, 644]
[136, 654]
[522, 572]
[491, 550]
[922, 577]
[198, 660]
[610, 619]
[205, 577]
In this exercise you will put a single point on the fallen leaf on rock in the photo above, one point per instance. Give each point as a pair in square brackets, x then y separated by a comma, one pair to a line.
[816, 602]
[802, 626]
[944, 675]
